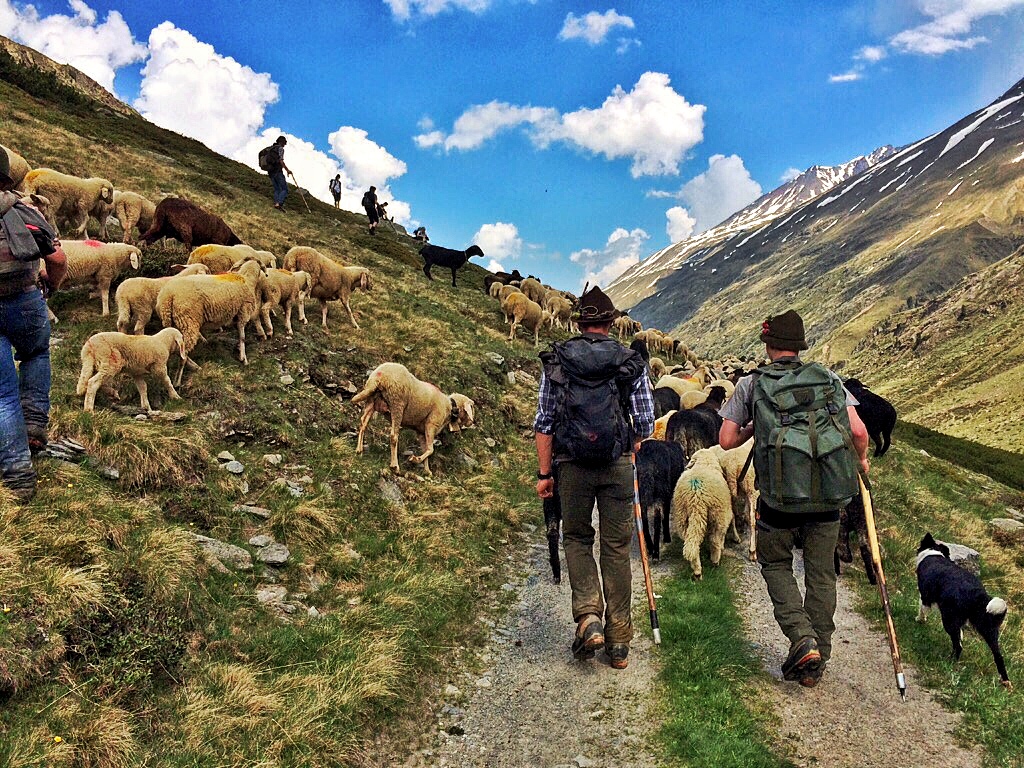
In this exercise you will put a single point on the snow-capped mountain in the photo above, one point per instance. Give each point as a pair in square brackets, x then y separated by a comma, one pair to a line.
[639, 282]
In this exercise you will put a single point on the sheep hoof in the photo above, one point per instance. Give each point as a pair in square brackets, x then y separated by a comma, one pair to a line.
[698, 577]
[753, 556]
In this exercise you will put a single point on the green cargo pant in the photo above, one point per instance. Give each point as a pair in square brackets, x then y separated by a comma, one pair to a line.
[813, 615]
[611, 487]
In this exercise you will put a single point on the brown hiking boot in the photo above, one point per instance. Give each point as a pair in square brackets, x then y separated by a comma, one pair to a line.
[589, 637]
[804, 660]
[618, 652]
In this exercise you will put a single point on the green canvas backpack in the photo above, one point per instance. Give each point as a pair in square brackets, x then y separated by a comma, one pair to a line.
[803, 451]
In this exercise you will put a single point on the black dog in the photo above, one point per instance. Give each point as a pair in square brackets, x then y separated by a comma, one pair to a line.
[877, 413]
[435, 255]
[658, 466]
[961, 598]
[553, 530]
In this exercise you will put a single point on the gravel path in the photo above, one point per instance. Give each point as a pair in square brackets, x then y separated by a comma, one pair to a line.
[854, 718]
[535, 705]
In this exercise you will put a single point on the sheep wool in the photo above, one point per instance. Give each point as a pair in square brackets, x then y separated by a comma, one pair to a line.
[520, 310]
[71, 198]
[220, 258]
[701, 507]
[19, 167]
[285, 289]
[91, 262]
[104, 355]
[133, 210]
[136, 298]
[330, 280]
[743, 492]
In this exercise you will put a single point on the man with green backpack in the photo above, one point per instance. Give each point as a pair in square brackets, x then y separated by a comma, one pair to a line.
[809, 444]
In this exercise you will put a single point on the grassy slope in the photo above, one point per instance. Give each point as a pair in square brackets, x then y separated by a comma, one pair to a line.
[117, 637]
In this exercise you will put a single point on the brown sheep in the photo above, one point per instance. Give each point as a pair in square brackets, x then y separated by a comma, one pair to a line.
[185, 221]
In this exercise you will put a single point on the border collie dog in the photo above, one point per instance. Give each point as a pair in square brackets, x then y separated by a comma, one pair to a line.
[961, 598]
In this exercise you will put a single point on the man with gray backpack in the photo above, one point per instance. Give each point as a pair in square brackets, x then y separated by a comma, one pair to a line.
[809, 444]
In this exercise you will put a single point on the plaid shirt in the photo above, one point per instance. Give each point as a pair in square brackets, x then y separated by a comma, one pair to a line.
[641, 407]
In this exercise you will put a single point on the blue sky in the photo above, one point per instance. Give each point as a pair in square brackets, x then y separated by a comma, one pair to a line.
[568, 139]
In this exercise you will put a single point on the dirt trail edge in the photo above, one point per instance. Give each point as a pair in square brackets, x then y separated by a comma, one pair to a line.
[534, 705]
[854, 718]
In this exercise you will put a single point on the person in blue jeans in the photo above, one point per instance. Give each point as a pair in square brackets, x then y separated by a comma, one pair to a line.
[24, 336]
[277, 169]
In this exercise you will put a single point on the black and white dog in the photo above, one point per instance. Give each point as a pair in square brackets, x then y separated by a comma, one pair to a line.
[961, 598]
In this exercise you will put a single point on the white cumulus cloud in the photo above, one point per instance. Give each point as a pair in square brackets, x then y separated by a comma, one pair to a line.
[711, 197]
[593, 27]
[365, 161]
[652, 124]
[403, 10]
[680, 223]
[789, 174]
[96, 48]
[850, 76]
[499, 240]
[620, 252]
[494, 266]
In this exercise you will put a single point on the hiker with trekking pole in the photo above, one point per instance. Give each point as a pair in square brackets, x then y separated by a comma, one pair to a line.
[271, 160]
[809, 447]
[595, 405]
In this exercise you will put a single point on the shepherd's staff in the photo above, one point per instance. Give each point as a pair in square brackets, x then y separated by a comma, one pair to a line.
[299, 190]
[876, 561]
[643, 552]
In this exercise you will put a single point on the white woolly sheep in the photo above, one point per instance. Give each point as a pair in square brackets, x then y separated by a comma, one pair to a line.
[391, 388]
[560, 310]
[701, 506]
[661, 426]
[220, 258]
[534, 290]
[189, 303]
[504, 292]
[657, 366]
[71, 198]
[495, 289]
[678, 385]
[743, 493]
[110, 353]
[285, 289]
[136, 298]
[725, 384]
[133, 210]
[330, 280]
[91, 262]
[520, 310]
[690, 400]
[19, 166]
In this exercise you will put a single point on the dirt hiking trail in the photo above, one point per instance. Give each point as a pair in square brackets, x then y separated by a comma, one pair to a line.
[533, 706]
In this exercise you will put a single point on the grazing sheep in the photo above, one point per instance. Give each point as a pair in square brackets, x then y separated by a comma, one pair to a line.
[657, 368]
[136, 298]
[189, 303]
[678, 385]
[133, 210]
[519, 310]
[91, 262]
[110, 353]
[701, 506]
[285, 289]
[690, 400]
[533, 289]
[330, 280]
[560, 309]
[743, 491]
[71, 198]
[221, 258]
[504, 292]
[435, 255]
[391, 388]
[877, 413]
[19, 167]
[185, 221]
[658, 467]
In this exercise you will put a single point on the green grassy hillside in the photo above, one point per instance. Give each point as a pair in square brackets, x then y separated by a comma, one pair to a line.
[120, 643]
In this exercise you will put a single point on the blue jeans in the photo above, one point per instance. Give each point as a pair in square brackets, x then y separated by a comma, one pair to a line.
[24, 393]
[280, 186]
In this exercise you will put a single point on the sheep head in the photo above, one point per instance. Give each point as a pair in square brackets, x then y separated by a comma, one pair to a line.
[177, 342]
[474, 250]
[364, 281]
[135, 258]
[462, 412]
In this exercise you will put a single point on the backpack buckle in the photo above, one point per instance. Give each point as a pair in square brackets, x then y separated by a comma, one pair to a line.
[833, 408]
[786, 419]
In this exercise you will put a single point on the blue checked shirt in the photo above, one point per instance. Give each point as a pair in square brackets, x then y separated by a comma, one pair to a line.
[641, 407]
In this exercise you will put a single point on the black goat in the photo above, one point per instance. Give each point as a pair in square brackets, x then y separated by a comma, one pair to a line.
[658, 466]
[435, 255]
[877, 413]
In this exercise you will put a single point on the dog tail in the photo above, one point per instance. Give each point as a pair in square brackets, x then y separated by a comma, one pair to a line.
[996, 607]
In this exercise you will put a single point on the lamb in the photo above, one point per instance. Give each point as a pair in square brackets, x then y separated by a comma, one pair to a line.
[446, 257]
[189, 303]
[133, 210]
[391, 388]
[71, 198]
[701, 506]
[519, 310]
[96, 263]
[136, 298]
[110, 353]
[19, 167]
[285, 289]
[877, 413]
[658, 467]
[742, 491]
[185, 221]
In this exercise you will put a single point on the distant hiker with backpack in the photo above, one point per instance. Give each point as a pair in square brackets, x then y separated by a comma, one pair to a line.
[25, 240]
[595, 406]
[335, 187]
[271, 160]
[809, 444]
[369, 204]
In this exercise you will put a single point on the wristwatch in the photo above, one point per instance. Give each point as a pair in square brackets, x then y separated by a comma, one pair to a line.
[545, 475]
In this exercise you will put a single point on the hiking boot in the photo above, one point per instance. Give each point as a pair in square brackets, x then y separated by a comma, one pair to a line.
[618, 652]
[812, 677]
[804, 660]
[37, 438]
[589, 637]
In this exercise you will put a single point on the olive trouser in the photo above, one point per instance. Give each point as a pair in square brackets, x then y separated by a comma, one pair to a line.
[611, 486]
[813, 615]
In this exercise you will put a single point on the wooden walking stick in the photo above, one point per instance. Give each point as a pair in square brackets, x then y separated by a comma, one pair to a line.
[299, 190]
[876, 561]
[643, 553]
